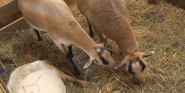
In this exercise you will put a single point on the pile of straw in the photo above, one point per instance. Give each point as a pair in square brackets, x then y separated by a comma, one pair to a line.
[160, 28]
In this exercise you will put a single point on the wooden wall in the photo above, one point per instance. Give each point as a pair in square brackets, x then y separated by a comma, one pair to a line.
[11, 19]
[177, 3]
[155, 2]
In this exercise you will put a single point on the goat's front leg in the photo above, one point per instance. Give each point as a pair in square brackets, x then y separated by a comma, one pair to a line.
[70, 56]
[102, 40]
[59, 45]
[90, 30]
[99, 34]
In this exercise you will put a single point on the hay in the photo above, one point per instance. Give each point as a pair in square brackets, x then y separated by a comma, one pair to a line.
[160, 28]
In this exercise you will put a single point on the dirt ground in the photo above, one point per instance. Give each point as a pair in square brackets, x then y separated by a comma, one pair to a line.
[159, 28]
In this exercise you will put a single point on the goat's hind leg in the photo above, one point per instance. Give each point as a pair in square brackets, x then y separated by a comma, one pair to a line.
[102, 39]
[38, 35]
[65, 76]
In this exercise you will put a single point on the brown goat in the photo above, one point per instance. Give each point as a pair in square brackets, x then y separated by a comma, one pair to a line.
[110, 17]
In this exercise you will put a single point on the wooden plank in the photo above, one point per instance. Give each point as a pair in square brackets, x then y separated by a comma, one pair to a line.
[69, 2]
[9, 9]
[9, 13]
[9, 19]
[7, 31]
[3, 88]
[155, 2]
[177, 3]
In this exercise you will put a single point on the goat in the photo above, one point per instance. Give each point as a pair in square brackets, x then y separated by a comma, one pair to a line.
[55, 17]
[110, 17]
[39, 77]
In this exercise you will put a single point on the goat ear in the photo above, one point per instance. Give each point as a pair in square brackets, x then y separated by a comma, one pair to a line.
[147, 54]
[109, 50]
[99, 47]
[88, 64]
[98, 50]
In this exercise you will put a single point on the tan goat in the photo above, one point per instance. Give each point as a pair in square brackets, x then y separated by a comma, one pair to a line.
[39, 77]
[110, 17]
[55, 17]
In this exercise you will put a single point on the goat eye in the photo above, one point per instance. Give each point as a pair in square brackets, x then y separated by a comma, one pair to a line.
[142, 65]
[103, 60]
[130, 68]
[109, 51]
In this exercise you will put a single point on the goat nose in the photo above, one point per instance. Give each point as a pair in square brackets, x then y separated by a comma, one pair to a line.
[112, 70]
[139, 82]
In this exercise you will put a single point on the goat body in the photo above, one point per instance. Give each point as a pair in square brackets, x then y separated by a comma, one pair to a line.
[39, 77]
[110, 17]
[55, 17]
